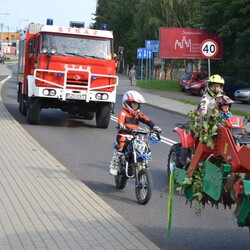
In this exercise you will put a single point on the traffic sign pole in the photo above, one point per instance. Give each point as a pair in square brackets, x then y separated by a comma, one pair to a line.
[209, 69]
[143, 53]
[209, 49]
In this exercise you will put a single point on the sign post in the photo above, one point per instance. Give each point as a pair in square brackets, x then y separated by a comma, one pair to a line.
[143, 53]
[209, 49]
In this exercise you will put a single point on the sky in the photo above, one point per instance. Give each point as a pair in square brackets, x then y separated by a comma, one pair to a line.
[62, 12]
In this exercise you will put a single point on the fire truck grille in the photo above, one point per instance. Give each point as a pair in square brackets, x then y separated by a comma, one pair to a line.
[75, 82]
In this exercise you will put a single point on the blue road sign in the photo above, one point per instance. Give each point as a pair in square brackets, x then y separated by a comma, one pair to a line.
[152, 44]
[143, 53]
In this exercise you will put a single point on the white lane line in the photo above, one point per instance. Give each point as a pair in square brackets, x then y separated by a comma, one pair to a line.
[6, 79]
[163, 139]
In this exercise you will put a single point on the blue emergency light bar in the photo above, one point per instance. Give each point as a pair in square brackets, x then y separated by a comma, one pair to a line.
[49, 21]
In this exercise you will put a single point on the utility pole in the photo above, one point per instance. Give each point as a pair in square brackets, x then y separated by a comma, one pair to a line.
[1, 39]
[2, 34]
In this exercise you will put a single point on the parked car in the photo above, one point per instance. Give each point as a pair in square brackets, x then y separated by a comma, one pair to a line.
[191, 77]
[233, 84]
[242, 95]
[197, 88]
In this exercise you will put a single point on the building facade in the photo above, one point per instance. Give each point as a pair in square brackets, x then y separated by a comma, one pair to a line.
[10, 42]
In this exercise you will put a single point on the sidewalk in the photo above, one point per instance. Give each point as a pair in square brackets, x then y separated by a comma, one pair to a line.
[155, 98]
[43, 206]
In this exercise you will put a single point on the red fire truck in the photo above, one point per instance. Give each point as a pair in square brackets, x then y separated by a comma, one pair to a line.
[68, 68]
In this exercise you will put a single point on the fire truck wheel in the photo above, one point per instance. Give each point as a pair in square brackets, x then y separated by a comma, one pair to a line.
[19, 92]
[33, 110]
[103, 115]
[22, 106]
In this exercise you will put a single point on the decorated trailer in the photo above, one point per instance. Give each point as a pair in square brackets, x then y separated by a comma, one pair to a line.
[213, 173]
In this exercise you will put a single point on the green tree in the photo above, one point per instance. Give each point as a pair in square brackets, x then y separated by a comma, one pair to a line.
[231, 19]
[133, 22]
[119, 16]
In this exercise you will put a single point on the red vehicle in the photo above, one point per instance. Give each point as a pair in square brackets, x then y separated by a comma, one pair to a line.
[225, 169]
[197, 88]
[68, 68]
[191, 77]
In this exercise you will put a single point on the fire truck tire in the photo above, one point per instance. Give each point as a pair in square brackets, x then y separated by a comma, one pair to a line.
[33, 110]
[19, 92]
[22, 105]
[103, 115]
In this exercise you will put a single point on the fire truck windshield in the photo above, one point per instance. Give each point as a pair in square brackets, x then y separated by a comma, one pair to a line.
[76, 46]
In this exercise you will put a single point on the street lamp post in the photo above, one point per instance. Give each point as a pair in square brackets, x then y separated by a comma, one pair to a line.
[23, 20]
[19, 31]
[2, 34]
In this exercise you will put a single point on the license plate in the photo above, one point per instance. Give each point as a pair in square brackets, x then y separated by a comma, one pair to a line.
[76, 96]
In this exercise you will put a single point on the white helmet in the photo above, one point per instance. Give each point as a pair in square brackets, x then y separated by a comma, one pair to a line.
[132, 96]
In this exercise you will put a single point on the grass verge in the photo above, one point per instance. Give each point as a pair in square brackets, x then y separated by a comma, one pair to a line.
[173, 86]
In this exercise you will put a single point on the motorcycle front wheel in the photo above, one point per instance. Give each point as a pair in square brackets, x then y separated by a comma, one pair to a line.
[144, 187]
[120, 181]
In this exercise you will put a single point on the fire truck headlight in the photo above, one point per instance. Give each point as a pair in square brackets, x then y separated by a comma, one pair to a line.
[52, 92]
[46, 92]
[49, 92]
[105, 96]
[98, 96]
[45, 50]
[53, 50]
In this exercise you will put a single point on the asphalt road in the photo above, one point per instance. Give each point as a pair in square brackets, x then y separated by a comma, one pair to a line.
[86, 151]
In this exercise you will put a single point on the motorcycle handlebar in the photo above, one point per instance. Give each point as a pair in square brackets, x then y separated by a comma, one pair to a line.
[246, 119]
[139, 132]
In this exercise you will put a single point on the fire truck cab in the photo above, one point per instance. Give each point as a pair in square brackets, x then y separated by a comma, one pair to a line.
[67, 68]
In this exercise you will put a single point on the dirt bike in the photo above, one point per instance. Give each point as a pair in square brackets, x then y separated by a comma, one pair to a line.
[134, 164]
[225, 169]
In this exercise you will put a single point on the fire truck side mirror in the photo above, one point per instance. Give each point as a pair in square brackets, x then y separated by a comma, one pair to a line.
[31, 45]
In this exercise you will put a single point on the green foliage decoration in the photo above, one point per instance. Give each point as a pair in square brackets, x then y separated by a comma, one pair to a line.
[205, 127]
[195, 183]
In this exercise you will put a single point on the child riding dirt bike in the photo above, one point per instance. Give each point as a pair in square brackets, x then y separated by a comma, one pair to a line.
[128, 121]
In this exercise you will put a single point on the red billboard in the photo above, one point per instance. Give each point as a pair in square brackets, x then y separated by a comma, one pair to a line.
[177, 43]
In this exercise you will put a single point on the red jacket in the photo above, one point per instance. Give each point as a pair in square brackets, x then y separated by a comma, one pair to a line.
[132, 121]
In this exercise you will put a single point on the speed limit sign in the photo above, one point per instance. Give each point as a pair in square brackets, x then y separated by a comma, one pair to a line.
[209, 48]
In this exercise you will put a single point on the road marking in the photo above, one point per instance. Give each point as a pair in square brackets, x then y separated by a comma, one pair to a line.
[6, 79]
[163, 139]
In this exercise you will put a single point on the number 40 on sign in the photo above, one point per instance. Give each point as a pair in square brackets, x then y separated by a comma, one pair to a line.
[209, 48]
